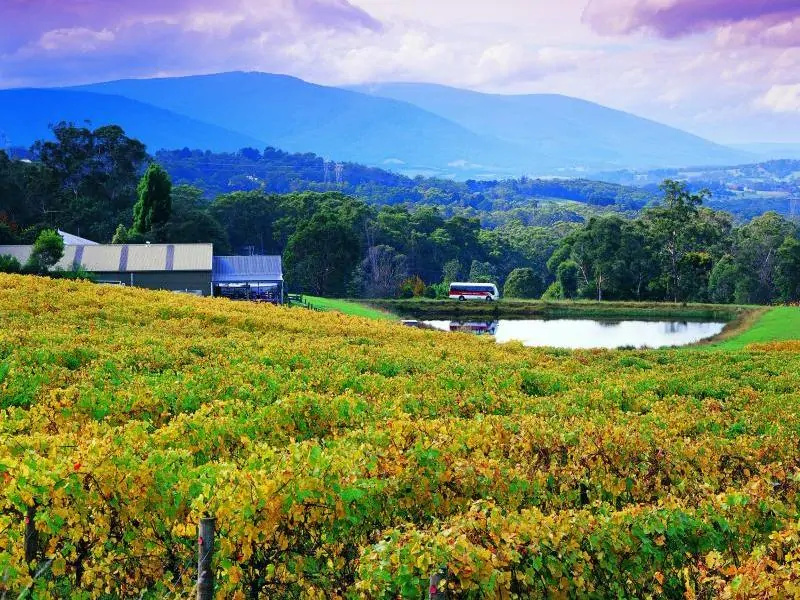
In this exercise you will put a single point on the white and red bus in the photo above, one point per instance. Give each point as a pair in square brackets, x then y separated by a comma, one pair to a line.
[473, 291]
[479, 328]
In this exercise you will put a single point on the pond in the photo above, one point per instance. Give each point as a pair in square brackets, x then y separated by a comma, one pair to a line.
[587, 333]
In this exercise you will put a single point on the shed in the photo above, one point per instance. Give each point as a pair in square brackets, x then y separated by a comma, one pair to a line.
[257, 278]
[176, 267]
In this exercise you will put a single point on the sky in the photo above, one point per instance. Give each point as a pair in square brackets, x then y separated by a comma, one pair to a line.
[728, 70]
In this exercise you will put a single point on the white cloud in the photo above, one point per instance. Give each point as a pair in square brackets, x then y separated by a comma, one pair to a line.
[782, 99]
[77, 39]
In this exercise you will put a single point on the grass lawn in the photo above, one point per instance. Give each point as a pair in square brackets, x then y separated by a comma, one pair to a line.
[775, 325]
[348, 308]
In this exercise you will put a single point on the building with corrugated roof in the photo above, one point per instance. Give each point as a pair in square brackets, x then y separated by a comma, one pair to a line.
[191, 268]
[257, 278]
[175, 267]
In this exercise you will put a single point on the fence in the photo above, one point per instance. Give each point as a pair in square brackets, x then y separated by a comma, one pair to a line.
[300, 300]
[205, 560]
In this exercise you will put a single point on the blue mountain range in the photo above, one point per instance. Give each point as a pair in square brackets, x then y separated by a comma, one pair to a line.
[410, 128]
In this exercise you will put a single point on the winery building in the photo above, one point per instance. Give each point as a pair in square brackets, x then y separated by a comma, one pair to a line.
[176, 267]
[189, 268]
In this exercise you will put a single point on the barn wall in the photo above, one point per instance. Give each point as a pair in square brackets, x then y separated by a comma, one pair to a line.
[177, 281]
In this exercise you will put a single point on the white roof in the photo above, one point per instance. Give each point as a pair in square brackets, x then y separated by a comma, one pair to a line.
[126, 258]
[74, 240]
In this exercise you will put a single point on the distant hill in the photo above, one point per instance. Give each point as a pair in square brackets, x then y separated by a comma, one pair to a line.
[297, 116]
[25, 116]
[579, 134]
[744, 190]
[413, 129]
[771, 151]
[427, 129]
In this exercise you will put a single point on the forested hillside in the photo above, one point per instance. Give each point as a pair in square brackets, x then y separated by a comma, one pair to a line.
[369, 233]
[746, 190]
[277, 171]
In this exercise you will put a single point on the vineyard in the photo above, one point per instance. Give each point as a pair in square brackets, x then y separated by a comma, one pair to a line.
[345, 458]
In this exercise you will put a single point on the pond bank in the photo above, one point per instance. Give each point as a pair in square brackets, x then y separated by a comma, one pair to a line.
[431, 309]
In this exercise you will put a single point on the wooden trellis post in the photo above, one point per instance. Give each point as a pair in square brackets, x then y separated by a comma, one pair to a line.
[31, 537]
[436, 591]
[205, 555]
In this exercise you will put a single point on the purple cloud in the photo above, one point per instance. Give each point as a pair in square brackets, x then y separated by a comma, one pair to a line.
[337, 14]
[672, 19]
[48, 42]
[22, 22]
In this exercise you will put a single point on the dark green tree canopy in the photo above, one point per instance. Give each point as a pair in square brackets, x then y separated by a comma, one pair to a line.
[482, 272]
[321, 255]
[47, 251]
[787, 276]
[84, 180]
[523, 283]
[154, 205]
[567, 279]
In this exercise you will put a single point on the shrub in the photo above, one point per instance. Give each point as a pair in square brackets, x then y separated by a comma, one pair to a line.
[554, 292]
[9, 264]
[413, 287]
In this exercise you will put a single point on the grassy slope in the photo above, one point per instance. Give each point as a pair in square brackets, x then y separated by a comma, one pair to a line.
[774, 325]
[348, 308]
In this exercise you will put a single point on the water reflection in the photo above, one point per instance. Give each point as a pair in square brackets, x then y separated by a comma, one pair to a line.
[585, 333]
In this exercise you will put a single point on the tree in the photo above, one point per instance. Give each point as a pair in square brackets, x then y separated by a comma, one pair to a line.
[553, 292]
[451, 271]
[190, 222]
[756, 246]
[723, 279]
[567, 279]
[523, 283]
[121, 235]
[482, 272]
[787, 276]
[596, 252]
[672, 232]
[696, 268]
[413, 287]
[380, 274]
[8, 235]
[47, 251]
[85, 179]
[321, 255]
[639, 266]
[154, 205]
